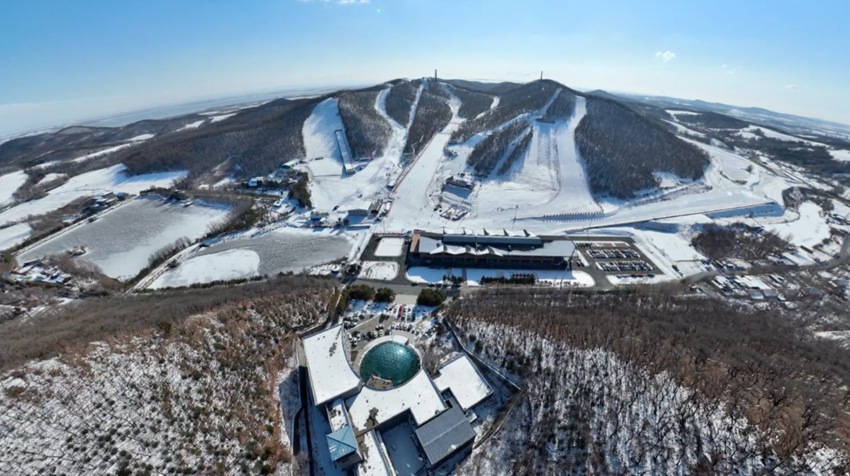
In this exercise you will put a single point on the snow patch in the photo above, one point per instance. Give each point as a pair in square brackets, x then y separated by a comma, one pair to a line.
[14, 235]
[9, 184]
[379, 270]
[224, 266]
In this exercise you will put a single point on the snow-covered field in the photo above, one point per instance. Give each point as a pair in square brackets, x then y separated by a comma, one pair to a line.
[751, 132]
[379, 270]
[423, 275]
[13, 235]
[9, 184]
[123, 240]
[285, 249]
[89, 184]
[808, 230]
[389, 247]
[840, 155]
[223, 266]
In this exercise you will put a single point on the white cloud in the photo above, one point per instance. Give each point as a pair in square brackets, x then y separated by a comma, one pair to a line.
[790, 86]
[665, 55]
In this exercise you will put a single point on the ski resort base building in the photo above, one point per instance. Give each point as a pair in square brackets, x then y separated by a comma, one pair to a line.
[489, 249]
[384, 411]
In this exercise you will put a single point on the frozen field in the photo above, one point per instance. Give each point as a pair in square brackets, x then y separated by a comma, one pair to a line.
[123, 240]
[286, 249]
[390, 247]
[12, 235]
[89, 184]
[223, 266]
[9, 184]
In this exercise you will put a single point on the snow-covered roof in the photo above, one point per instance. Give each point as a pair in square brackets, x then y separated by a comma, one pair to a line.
[417, 395]
[375, 462]
[556, 248]
[330, 371]
[465, 382]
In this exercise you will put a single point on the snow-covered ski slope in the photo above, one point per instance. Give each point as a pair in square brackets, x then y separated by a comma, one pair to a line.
[545, 190]
[331, 186]
[549, 178]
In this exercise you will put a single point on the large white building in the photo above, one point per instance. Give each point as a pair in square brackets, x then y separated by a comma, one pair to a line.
[388, 411]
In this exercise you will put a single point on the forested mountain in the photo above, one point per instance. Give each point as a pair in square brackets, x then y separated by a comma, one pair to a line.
[623, 146]
[400, 99]
[623, 150]
[432, 114]
[366, 130]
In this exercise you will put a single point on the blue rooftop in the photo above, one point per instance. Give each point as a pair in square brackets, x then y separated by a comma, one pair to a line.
[342, 443]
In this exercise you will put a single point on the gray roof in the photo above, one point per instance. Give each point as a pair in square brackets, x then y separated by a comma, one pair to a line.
[444, 433]
[492, 239]
[554, 248]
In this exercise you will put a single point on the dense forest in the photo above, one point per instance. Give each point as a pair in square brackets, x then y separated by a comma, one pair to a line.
[489, 152]
[561, 108]
[622, 150]
[657, 383]
[400, 99]
[366, 130]
[515, 153]
[472, 103]
[432, 115]
[520, 100]
[712, 120]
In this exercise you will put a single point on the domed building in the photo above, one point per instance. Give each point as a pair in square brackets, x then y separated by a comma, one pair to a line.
[391, 411]
[389, 364]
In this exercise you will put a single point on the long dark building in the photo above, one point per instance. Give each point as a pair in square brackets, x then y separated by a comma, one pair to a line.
[489, 249]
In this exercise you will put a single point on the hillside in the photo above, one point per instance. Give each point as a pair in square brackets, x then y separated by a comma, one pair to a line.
[194, 394]
[637, 383]
[623, 150]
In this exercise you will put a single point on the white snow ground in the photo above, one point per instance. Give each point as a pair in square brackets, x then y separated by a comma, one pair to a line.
[808, 230]
[389, 247]
[13, 235]
[224, 266]
[89, 184]
[379, 270]
[9, 184]
[840, 155]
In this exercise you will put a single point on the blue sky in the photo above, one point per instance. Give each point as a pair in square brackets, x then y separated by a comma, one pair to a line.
[63, 61]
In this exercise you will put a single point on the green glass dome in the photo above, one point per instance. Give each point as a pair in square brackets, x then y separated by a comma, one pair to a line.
[390, 361]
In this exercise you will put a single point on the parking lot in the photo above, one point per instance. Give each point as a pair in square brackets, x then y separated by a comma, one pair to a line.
[366, 321]
[617, 256]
